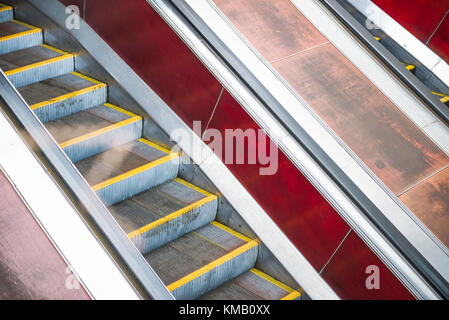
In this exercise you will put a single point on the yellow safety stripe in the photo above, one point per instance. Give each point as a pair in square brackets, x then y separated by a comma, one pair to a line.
[191, 186]
[38, 64]
[121, 110]
[21, 34]
[67, 96]
[171, 216]
[227, 257]
[5, 8]
[130, 173]
[292, 295]
[87, 78]
[154, 145]
[99, 132]
[445, 97]
[233, 232]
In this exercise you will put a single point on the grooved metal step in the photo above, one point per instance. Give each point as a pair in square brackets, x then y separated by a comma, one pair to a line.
[129, 169]
[35, 64]
[164, 213]
[202, 260]
[253, 285]
[16, 35]
[6, 13]
[64, 95]
[90, 132]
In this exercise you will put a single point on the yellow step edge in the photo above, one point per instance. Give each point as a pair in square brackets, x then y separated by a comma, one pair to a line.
[55, 49]
[99, 132]
[171, 216]
[109, 105]
[130, 173]
[38, 64]
[192, 186]
[197, 273]
[67, 96]
[377, 38]
[231, 231]
[21, 34]
[292, 295]
[445, 97]
[272, 280]
[5, 8]
[87, 78]
[410, 67]
[154, 145]
[25, 24]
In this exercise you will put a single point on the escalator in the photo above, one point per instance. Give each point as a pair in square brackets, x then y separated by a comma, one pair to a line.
[171, 221]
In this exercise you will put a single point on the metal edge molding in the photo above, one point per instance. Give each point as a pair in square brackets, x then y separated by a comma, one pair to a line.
[399, 244]
[135, 271]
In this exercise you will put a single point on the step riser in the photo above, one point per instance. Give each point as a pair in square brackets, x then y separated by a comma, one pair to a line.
[217, 276]
[176, 228]
[139, 182]
[103, 142]
[72, 105]
[42, 72]
[19, 43]
[6, 15]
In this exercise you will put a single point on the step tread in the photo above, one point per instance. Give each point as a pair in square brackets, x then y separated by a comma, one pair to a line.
[117, 161]
[15, 61]
[192, 251]
[15, 28]
[158, 202]
[85, 122]
[251, 285]
[59, 87]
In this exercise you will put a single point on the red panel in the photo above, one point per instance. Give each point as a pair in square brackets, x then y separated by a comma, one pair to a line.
[349, 268]
[421, 18]
[440, 41]
[289, 198]
[139, 35]
[30, 267]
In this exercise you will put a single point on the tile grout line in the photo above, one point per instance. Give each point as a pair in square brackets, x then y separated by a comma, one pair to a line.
[335, 251]
[422, 180]
[299, 52]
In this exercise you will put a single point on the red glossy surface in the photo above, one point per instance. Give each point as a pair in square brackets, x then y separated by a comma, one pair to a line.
[30, 266]
[349, 268]
[440, 41]
[421, 18]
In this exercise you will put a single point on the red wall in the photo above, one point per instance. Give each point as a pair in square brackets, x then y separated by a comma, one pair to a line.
[137, 33]
[421, 18]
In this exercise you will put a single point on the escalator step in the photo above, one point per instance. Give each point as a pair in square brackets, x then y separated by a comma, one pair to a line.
[90, 132]
[164, 213]
[129, 169]
[16, 35]
[59, 97]
[6, 13]
[35, 64]
[202, 260]
[253, 285]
